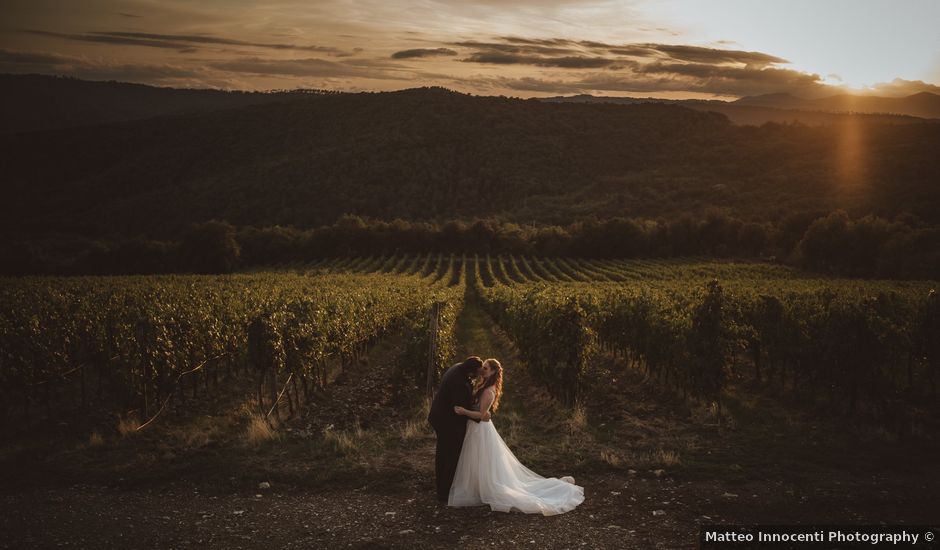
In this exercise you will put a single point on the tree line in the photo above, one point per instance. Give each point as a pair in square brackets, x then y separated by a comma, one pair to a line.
[834, 243]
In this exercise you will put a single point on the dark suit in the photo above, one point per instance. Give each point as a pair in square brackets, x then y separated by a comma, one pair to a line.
[450, 427]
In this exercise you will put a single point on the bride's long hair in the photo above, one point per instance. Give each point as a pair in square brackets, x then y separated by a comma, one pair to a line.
[495, 380]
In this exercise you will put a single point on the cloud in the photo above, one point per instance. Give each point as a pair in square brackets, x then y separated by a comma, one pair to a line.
[699, 78]
[533, 84]
[587, 54]
[350, 53]
[640, 67]
[698, 54]
[423, 52]
[50, 63]
[537, 41]
[209, 39]
[525, 48]
[103, 39]
[311, 67]
[633, 50]
[569, 62]
[706, 71]
[155, 73]
[11, 57]
[176, 41]
[900, 88]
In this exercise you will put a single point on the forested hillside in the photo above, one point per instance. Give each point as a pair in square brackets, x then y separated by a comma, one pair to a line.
[42, 102]
[432, 154]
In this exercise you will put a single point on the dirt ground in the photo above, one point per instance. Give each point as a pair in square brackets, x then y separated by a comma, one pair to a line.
[355, 470]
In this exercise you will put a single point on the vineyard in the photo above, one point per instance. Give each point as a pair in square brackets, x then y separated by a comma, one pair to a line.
[696, 326]
[677, 392]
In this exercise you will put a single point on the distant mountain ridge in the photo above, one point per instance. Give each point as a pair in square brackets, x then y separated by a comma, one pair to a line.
[783, 107]
[44, 102]
[922, 105]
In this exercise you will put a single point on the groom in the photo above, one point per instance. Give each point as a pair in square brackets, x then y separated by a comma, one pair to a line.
[450, 427]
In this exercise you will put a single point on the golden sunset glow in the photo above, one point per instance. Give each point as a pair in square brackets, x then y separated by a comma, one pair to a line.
[851, 152]
[675, 49]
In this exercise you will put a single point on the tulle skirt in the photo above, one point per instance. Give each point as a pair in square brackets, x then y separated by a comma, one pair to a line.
[488, 473]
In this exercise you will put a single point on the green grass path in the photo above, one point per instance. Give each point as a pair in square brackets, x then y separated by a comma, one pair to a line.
[539, 431]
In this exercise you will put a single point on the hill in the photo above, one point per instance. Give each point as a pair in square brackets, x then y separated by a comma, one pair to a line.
[42, 102]
[786, 108]
[922, 105]
[433, 154]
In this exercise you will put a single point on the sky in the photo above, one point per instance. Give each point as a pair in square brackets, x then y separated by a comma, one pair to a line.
[706, 49]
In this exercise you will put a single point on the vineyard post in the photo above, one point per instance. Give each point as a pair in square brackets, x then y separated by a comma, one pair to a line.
[296, 392]
[145, 390]
[274, 398]
[306, 386]
[260, 391]
[432, 346]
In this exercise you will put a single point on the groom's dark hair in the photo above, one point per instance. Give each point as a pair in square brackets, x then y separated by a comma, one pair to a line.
[471, 363]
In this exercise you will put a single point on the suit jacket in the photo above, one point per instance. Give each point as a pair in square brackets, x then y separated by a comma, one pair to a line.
[455, 389]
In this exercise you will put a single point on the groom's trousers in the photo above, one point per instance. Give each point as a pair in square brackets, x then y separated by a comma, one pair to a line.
[449, 443]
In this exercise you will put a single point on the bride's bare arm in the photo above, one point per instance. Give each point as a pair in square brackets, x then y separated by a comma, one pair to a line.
[484, 413]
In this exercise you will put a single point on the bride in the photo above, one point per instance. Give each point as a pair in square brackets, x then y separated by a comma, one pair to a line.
[489, 473]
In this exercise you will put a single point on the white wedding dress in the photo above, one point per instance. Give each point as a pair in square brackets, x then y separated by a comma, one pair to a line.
[488, 473]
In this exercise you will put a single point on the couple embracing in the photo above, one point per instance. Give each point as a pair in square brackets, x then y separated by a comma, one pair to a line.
[472, 464]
